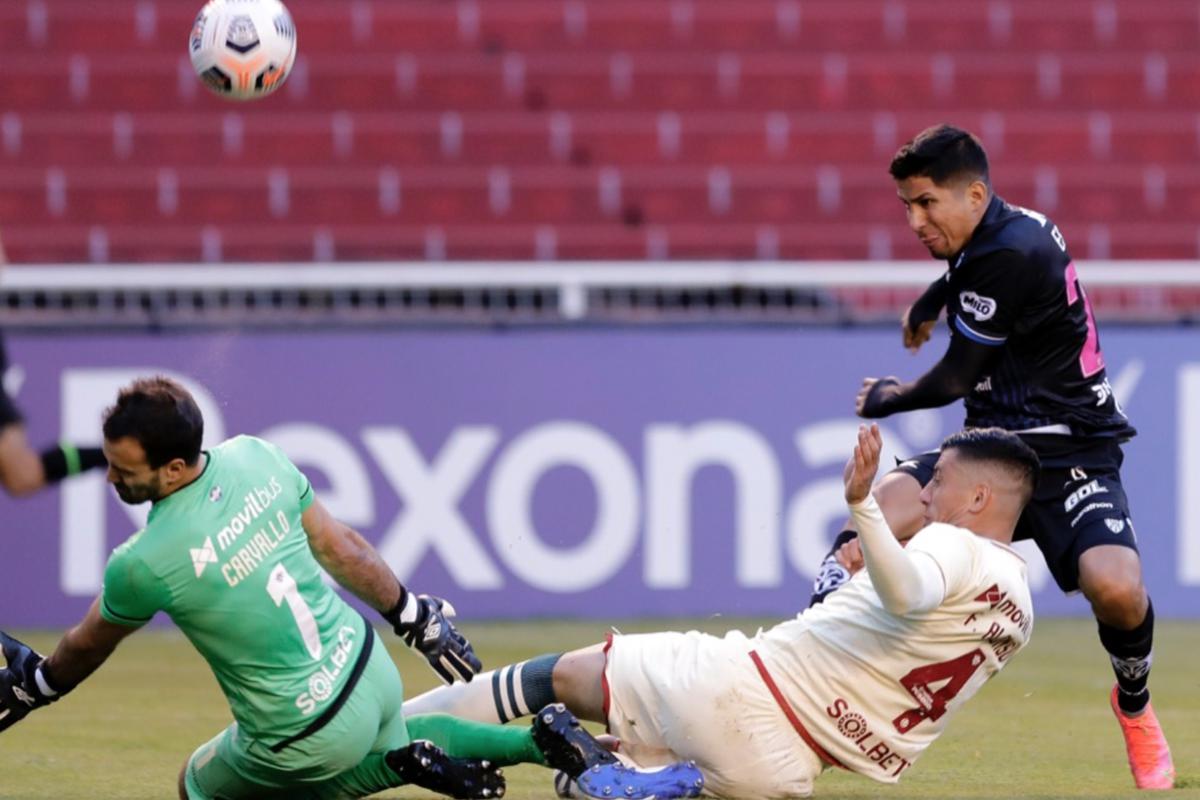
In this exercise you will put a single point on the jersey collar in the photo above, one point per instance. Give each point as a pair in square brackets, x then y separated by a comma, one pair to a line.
[208, 460]
[1009, 548]
[994, 210]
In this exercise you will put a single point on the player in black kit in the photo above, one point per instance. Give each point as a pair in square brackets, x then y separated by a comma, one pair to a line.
[1024, 355]
[22, 470]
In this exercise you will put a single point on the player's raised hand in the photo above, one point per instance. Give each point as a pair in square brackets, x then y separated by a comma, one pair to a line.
[862, 466]
[915, 330]
[423, 622]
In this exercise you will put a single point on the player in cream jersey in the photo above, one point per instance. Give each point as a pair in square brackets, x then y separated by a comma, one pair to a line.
[874, 688]
[865, 681]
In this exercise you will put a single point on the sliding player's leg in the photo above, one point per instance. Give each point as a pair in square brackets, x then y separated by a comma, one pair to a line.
[562, 684]
[556, 687]
[658, 694]
[500, 695]
[698, 698]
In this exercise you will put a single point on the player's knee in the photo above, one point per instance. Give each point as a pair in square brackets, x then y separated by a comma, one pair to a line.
[578, 682]
[1117, 595]
[899, 497]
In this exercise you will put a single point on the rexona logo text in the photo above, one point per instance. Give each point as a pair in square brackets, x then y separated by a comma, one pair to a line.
[322, 682]
[978, 306]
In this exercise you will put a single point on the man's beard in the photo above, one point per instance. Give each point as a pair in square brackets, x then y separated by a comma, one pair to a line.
[134, 497]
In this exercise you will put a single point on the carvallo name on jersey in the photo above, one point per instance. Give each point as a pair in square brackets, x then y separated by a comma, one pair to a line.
[254, 552]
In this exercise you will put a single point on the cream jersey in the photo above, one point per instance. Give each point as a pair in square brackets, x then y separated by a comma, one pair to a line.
[873, 689]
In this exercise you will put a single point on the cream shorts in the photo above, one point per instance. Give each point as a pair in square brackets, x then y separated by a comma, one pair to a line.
[692, 696]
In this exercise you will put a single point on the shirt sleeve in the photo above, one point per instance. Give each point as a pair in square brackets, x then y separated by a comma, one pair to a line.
[303, 486]
[132, 594]
[953, 550]
[292, 477]
[907, 582]
[988, 296]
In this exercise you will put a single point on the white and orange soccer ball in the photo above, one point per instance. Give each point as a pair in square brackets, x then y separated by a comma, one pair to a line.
[243, 49]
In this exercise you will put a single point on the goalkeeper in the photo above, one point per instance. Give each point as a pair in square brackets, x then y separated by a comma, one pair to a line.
[233, 552]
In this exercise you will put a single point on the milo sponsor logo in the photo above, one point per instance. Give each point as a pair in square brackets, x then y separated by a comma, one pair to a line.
[980, 307]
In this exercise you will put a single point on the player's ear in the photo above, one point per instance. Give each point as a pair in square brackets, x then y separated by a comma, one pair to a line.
[174, 469]
[977, 191]
[981, 497]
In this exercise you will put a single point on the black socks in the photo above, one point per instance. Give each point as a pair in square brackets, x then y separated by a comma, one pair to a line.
[1131, 653]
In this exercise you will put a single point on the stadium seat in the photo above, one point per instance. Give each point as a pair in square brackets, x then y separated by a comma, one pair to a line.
[481, 138]
[425, 25]
[593, 127]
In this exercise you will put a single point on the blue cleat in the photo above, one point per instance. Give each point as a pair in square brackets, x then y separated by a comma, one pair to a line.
[609, 781]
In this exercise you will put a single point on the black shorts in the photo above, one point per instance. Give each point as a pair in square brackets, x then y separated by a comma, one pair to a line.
[9, 414]
[1079, 503]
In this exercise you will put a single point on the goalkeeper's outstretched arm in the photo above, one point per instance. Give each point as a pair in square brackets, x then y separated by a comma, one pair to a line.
[84, 648]
[350, 559]
[423, 622]
[30, 681]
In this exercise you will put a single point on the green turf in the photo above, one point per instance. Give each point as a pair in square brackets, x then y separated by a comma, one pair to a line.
[1042, 729]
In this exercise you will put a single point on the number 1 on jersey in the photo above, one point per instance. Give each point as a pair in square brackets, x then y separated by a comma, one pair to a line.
[282, 586]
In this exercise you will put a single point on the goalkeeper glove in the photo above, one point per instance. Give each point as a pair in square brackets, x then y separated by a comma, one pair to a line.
[423, 622]
[24, 683]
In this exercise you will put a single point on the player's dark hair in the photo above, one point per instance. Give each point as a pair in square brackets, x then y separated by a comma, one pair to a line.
[943, 154]
[162, 416]
[998, 446]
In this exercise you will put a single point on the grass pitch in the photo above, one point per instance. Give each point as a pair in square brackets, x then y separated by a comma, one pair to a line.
[1041, 729]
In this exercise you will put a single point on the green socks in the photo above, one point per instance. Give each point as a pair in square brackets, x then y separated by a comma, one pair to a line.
[464, 738]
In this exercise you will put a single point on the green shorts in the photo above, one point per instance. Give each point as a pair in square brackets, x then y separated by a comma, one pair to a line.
[342, 759]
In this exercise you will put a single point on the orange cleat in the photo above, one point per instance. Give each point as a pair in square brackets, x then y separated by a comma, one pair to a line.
[1146, 746]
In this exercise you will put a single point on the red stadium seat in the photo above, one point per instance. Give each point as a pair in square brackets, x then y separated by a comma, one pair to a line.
[527, 25]
[593, 127]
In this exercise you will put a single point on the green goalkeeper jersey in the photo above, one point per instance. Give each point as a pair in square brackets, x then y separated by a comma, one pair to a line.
[228, 560]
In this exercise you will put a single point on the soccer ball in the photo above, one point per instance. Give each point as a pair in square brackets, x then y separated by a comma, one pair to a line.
[243, 49]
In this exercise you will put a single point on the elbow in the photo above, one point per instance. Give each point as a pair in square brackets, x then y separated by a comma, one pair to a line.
[960, 386]
[335, 556]
[326, 556]
[901, 603]
[899, 607]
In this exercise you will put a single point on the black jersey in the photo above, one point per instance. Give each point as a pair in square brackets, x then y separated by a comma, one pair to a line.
[1014, 287]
